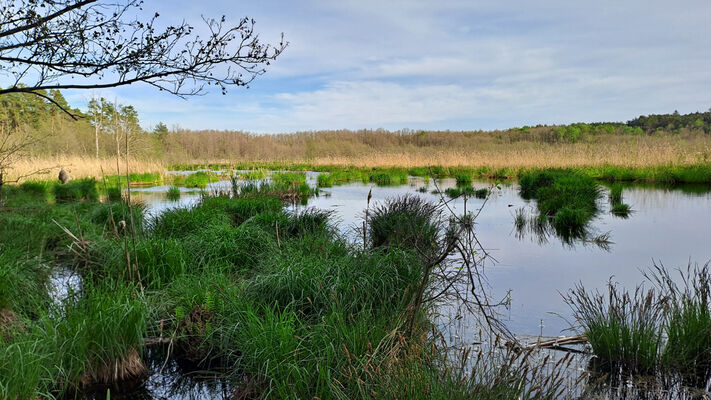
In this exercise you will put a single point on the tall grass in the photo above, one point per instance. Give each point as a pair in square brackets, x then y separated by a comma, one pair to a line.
[289, 178]
[405, 222]
[136, 179]
[621, 327]
[567, 198]
[173, 193]
[254, 174]
[659, 331]
[100, 336]
[200, 179]
[82, 189]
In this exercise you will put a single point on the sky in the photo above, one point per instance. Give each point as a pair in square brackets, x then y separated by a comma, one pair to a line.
[438, 65]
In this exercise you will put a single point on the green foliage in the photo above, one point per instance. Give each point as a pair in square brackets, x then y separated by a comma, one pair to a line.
[460, 191]
[288, 178]
[622, 330]
[199, 179]
[325, 180]
[40, 189]
[672, 122]
[255, 174]
[173, 193]
[463, 179]
[137, 179]
[82, 189]
[615, 194]
[114, 193]
[621, 210]
[385, 178]
[567, 197]
[481, 193]
[405, 222]
[659, 331]
[100, 330]
[23, 284]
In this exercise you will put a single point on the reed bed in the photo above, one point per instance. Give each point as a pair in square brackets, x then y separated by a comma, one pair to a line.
[661, 331]
[47, 168]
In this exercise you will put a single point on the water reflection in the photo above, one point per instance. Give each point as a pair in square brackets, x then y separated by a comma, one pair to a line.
[670, 225]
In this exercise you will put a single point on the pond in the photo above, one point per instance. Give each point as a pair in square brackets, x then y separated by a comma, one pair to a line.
[671, 226]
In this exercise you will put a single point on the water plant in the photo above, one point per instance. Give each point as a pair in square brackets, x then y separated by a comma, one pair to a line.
[615, 196]
[173, 193]
[288, 178]
[200, 179]
[463, 178]
[254, 174]
[481, 193]
[622, 328]
[621, 210]
[661, 330]
[406, 221]
[567, 198]
[136, 179]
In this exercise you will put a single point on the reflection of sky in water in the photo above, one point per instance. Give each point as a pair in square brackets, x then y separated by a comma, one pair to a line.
[667, 225]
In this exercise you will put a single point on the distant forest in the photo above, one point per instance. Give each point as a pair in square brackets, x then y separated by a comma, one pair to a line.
[105, 129]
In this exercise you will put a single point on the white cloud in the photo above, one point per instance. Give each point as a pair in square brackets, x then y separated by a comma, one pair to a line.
[456, 64]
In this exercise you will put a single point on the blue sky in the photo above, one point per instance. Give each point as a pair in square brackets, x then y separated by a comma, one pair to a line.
[460, 65]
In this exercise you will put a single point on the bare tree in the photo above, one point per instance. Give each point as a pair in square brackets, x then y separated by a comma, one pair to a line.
[94, 44]
[46, 45]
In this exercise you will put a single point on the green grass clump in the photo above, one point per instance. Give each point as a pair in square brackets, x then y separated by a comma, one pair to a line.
[663, 331]
[173, 193]
[567, 197]
[463, 178]
[406, 221]
[459, 191]
[621, 210]
[325, 180]
[137, 179]
[481, 193]
[388, 178]
[621, 328]
[254, 174]
[23, 284]
[199, 179]
[688, 322]
[99, 333]
[615, 196]
[81, 189]
[114, 193]
[688, 333]
[289, 178]
[36, 188]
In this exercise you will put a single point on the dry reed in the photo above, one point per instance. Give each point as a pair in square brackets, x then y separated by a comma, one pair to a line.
[77, 167]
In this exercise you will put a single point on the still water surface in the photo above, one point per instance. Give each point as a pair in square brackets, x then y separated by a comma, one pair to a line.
[668, 225]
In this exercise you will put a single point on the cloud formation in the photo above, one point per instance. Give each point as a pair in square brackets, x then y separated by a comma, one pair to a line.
[453, 64]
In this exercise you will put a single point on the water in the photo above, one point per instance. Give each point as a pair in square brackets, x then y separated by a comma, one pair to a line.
[669, 226]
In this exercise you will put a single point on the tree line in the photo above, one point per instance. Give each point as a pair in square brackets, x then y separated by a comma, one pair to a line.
[109, 129]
